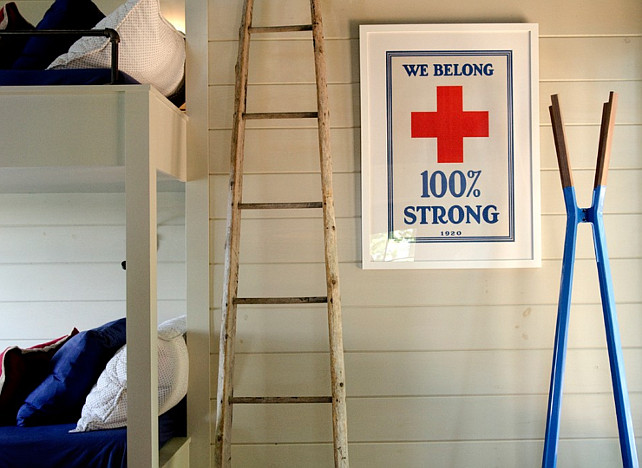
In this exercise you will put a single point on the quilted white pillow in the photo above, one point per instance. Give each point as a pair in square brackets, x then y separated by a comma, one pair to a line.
[151, 50]
[106, 404]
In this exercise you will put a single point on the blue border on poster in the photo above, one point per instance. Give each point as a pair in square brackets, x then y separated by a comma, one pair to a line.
[511, 146]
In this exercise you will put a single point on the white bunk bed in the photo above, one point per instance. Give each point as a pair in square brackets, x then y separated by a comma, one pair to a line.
[111, 138]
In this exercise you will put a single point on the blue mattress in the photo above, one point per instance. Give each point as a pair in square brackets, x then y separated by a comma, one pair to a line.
[55, 447]
[80, 76]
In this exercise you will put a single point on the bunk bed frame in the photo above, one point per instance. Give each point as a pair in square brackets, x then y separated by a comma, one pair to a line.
[125, 138]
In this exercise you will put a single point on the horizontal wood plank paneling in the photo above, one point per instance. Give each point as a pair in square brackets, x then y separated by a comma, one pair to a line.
[82, 282]
[583, 104]
[48, 320]
[450, 454]
[582, 140]
[444, 368]
[428, 328]
[287, 150]
[441, 373]
[611, 58]
[341, 18]
[60, 262]
[286, 240]
[82, 244]
[342, 68]
[579, 104]
[343, 100]
[70, 209]
[80, 314]
[440, 287]
[471, 418]
[560, 59]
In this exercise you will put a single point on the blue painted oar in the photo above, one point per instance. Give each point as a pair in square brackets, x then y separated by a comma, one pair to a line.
[592, 215]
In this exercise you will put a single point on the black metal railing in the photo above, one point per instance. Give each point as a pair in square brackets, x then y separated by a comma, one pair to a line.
[111, 34]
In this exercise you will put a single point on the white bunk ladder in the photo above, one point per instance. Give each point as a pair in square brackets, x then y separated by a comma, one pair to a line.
[225, 397]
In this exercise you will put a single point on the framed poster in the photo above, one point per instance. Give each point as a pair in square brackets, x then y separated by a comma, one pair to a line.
[450, 146]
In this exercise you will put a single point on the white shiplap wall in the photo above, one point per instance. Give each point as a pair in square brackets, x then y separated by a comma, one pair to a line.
[444, 368]
[60, 256]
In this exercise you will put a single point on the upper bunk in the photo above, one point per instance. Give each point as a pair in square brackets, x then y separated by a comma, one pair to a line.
[73, 123]
[81, 138]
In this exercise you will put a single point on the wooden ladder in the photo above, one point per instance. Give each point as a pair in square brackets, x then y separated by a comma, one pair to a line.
[225, 396]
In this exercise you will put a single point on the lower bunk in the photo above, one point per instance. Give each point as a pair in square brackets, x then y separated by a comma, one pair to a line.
[54, 446]
[64, 403]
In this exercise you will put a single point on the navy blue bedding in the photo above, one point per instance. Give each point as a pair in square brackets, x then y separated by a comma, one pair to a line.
[80, 76]
[54, 447]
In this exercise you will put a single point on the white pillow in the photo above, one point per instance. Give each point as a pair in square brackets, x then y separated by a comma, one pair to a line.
[106, 404]
[172, 328]
[151, 50]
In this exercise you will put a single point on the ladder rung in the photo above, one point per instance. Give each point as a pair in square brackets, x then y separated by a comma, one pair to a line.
[279, 206]
[272, 29]
[281, 300]
[280, 400]
[280, 115]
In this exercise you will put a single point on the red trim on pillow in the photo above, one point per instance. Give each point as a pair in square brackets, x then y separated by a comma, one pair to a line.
[56, 342]
[11, 19]
[22, 370]
[11, 46]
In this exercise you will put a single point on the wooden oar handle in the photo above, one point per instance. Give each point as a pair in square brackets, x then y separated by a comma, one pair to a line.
[560, 142]
[606, 138]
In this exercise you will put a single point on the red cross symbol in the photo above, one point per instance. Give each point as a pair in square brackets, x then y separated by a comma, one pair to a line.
[450, 124]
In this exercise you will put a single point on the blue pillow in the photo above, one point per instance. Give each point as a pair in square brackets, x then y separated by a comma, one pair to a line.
[40, 51]
[75, 369]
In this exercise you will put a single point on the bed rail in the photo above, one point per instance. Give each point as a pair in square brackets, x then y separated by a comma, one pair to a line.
[111, 34]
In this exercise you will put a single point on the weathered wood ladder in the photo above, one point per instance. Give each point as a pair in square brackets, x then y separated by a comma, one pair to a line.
[225, 398]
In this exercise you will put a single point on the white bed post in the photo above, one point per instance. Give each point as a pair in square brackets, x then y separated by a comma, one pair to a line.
[197, 233]
[142, 354]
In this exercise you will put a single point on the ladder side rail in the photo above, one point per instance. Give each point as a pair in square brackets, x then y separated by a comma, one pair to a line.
[337, 368]
[223, 431]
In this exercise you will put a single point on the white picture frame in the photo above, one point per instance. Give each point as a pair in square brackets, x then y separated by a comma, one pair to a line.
[450, 146]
